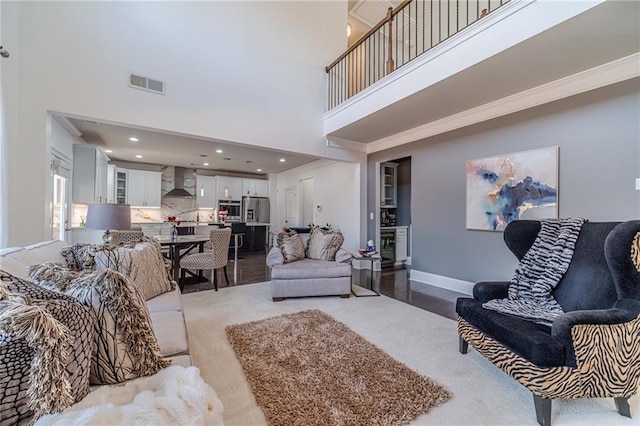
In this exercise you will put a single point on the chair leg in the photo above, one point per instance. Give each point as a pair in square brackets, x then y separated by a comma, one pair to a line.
[543, 410]
[183, 277]
[214, 277]
[463, 346]
[622, 405]
[226, 278]
[200, 275]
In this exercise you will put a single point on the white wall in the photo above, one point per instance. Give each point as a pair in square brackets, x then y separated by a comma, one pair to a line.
[61, 138]
[337, 187]
[247, 72]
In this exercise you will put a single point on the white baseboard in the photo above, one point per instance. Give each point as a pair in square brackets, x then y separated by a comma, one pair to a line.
[453, 284]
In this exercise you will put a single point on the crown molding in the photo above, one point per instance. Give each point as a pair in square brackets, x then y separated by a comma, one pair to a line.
[340, 143]
[584, 81]
[68, 125]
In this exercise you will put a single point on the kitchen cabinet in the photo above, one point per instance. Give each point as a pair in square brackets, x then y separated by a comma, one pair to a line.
[389, 185]
[144, 188]
[111, 183]
[233, 185]
[401, 244]
[255, 188]
[121, 180]
[206, 192]
[254, 240]
[151, 229]
[90, 169]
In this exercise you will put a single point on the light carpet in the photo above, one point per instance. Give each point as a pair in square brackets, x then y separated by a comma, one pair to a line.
[425, 342]
[307, 368]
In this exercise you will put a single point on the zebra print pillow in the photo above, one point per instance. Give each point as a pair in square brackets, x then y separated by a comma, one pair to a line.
[46, 343]
[291, 246]
[323, 244]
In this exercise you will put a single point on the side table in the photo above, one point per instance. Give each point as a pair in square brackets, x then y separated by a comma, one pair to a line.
[372, 257]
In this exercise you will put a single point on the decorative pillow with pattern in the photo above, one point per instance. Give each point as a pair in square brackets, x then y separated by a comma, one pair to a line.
[291, 246]
[323, 244]
[46, 343]
[79, 256]
[126, 346]
[141, 262]
[53, 275]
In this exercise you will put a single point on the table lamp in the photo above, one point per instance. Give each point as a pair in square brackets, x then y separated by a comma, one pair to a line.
[109, 216]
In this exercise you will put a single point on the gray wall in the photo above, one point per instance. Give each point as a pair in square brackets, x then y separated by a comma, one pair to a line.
[598, 134]
[403, 212]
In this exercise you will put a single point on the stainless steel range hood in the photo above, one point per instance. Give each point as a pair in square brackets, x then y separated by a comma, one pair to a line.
[178, 190]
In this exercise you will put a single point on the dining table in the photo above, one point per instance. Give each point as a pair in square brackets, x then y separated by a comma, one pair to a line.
[180, 246]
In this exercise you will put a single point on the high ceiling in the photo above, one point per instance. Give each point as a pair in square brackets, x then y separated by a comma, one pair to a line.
[181, 150]
[605, 33]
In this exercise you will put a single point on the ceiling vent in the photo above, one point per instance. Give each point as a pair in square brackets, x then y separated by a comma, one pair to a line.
[146, 83]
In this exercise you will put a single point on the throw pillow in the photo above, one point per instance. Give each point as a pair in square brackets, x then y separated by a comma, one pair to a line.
[79, 256]
[53, 276]
[324, 244]
[126, 346]
[141, 262]
[291, 246]
[45, 350]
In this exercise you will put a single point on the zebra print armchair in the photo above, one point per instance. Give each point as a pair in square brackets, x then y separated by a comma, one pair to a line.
[590, 351]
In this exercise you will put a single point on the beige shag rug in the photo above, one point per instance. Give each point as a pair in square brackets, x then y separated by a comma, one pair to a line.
[308, 369]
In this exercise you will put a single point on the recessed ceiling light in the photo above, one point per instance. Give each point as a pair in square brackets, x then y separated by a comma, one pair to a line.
[259, 170]
[133, 139]
[219, 151]
[205, 164]
[282, 160]
[108, 151]
[138, 156]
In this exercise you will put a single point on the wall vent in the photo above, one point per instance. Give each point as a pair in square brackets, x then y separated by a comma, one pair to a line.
[145, 83]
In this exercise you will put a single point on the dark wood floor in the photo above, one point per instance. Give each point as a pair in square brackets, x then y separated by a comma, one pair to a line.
[392, 282]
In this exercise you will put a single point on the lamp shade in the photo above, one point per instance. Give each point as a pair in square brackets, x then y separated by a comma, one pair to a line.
[108, 216]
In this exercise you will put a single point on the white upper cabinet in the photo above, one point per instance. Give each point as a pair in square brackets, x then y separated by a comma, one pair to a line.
[255, 188]
[144, 189]
[388, 185]
[233, 188]
[89, 174]
[206, 192]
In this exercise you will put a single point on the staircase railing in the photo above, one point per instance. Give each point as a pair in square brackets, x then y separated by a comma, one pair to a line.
[406, 32]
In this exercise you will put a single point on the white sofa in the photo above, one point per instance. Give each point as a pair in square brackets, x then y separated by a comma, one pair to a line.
[166, 309]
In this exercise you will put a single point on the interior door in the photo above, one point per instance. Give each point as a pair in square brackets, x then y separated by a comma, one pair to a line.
[306, 201]
[291, 206]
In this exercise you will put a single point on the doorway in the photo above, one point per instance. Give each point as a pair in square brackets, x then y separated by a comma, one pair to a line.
[394, 212]
[59, 215]
[291, 206]
[306, 201]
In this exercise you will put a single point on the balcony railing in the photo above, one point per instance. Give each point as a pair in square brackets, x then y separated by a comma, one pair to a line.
[408, 31]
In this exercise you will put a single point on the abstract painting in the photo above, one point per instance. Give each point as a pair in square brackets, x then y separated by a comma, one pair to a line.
[502, 189]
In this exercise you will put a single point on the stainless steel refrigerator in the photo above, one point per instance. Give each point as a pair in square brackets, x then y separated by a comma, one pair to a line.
[255, 209]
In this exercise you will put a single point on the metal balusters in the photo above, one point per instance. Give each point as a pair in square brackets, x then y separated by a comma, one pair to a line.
[383, 49]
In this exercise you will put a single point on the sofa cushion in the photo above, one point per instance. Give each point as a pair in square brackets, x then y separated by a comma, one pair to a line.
[324, 243]
[290, 246]
[141, 262]
[45, 350]
[311, 268]
[528, 339]
[171, 332]
[169, 301]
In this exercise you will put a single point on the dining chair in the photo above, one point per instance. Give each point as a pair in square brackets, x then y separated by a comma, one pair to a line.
[116, 237]
[217, 258]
